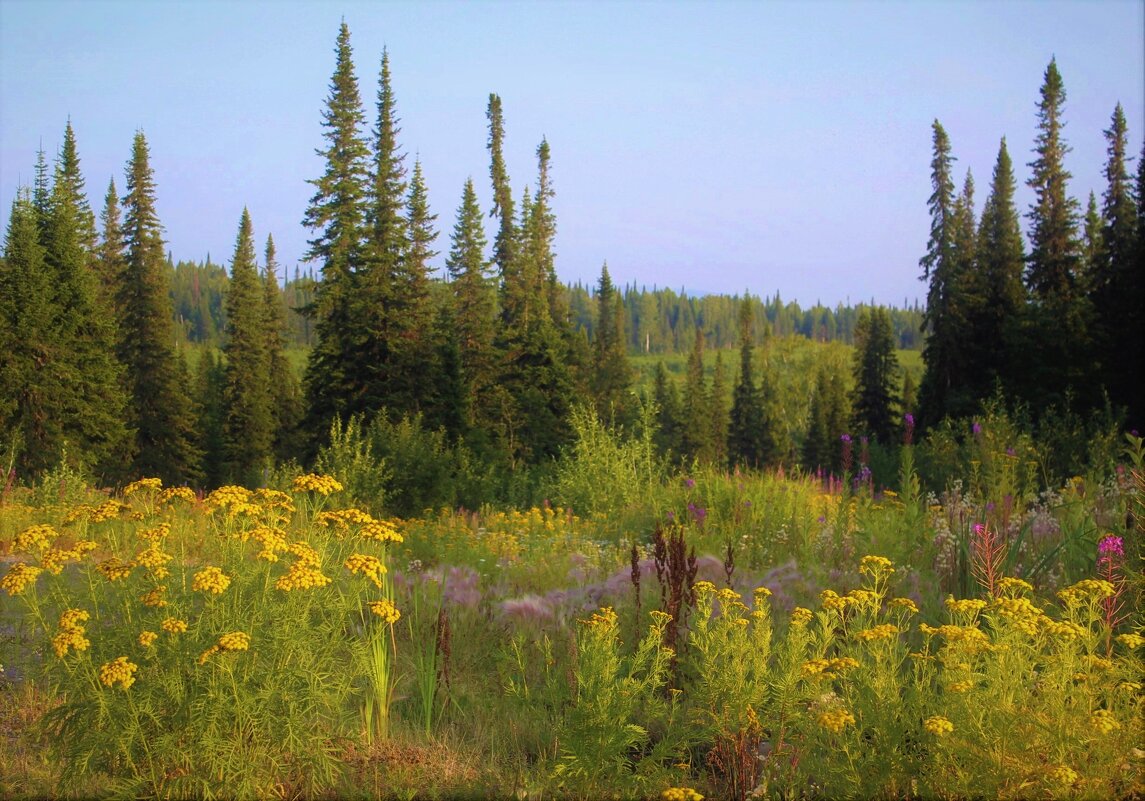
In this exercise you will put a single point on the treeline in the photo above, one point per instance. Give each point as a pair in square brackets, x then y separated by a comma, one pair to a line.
[1052, 323]
[656, 321]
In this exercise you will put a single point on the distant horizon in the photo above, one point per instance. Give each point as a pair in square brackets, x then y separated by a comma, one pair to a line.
[778, 147]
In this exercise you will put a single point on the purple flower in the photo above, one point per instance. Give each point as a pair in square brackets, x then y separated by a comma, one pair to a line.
[698, 513]
[689, 482]
[1111, 546]
[980, 529]
[1011, 452]
[976, 428]
[908, 418]
[845, 438]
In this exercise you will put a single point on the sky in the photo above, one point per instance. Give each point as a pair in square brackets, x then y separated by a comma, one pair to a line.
[705, 146]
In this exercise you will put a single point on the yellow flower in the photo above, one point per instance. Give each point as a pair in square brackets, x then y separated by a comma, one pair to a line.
[967, 607]
[109, 510]
[174, 625]
[152, 484]
[835, 720]
[154, 597]
[382, 531]
[235, 641]
[760, 593]
[1085, 591]
[305, 572]
[147, 638]
[156, 533]
[1063, 629]
[38, 536]
[1103, 721]
[70, 638]
[904, 603]
[680, 794]
[273, 542]
[207, 654]
[1131, 641]
[342, 519]
[387, 611]
[814, 667]
[833, 603]
[876, 566]
[369, 566]
[1008, 585]
[115, 569]
[1063, 776]
[54, 559]
[938, 726]
[172, 494]
[19, 577]
[154, 560]
[884, 631]
[210, 579]
[800, 616]
[118, 671]
[864, 598]
[311, 482]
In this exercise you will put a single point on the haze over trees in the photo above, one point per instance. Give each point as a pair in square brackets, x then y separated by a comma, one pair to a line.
[117, 360]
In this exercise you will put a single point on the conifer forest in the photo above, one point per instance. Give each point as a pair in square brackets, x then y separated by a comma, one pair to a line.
[361, 527]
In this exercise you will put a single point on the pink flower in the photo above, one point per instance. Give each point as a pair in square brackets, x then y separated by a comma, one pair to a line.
[1111, 546]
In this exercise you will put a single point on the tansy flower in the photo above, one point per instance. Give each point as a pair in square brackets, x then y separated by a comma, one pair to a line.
[210, 579]
[1063, 775]
[311, 482]
[147, 638]
[680, 794]
[114, 569]
[151, 484]
[1131, 641]
[938, 726]
[961, 686]
[72, 638]
[19, 577]
[884, 631]
[118, 671]
[171, 494]
[155, 533]
[1103, 721]
[800, 616]
[835, 720]
[234, 641]
[369, 566]
[905, 604]
[967, 607]
[1008, 585]
[154, 597]
[388, 612]
[382, 531]
[174, 625]
[876, 565]
[38, 536]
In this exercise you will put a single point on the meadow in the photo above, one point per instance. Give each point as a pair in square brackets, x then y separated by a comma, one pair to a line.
[646, 633]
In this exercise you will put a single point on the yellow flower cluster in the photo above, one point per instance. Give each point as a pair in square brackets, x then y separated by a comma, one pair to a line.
[273, 542]
[605, 618]
[828, 668]
[759, 593]
[1131, 641]
[1062, 629]
[210, 579]
[342, 519]
[118, 671]
[154, 597]
[369, 566]
[1103, 721]
[275, 501]
[71, 633]
[147, 638]
[114, 569]
[1020, 612]
[702, 588]
[938, 726]
[876, 566]
[227, 496]
[172, 494]
[305, 573]
[19, 577]
[234, 641]
[864, 599]
[155, 561]
[961, 686]
[883, 631]
[680, 794]
[109, 510]
[38, 536]
[1012, 587]
[1085, 591]
[151, 484]
[312, 482]
[965, 607]
[1063, 775]
[387, 611]
[971, 638]
[156, 533]
[800, 616]
[174, 625]
[832, 602]
[835, 720]
[54, 558]
[382, 531]
[906, 604]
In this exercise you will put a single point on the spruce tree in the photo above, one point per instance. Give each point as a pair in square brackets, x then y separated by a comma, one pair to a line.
[611, 374]
[1053, 274]
[286, 398]
[111, 253]
[415, 349]
[337, 213]
[1118, 288]
[876, 372]
[996, 322]
[210, 378]
[939, 267]
[750, 442]
[720, 419]
[474, 310]
[818, 445]
[966, 297]
[248, 417]
[505, 242]
[696, 429]
[669, 414]
[161, 409]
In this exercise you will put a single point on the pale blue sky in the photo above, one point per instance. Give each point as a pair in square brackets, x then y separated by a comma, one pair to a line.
[713, 146]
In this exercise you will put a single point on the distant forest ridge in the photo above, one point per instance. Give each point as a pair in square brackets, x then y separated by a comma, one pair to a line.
[658, 321]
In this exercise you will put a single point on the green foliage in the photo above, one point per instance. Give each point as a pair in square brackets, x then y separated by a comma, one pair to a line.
[876, 373]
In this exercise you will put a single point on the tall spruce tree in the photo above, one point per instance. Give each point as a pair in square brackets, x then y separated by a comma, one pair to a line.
[475, 304]
[696, 429]
[505, 244]
[161, 409]
[995, 323]
[1060, 309]
[210, 377]
[337, 213]
[611, 374]
[939, 267]
[111, 253]
[286, 398]
[248, 417]
[876, 372]
[669, 414]
[750, 436]
[720, 413]
[1118, 288]
[416, 351]
[818, 446]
